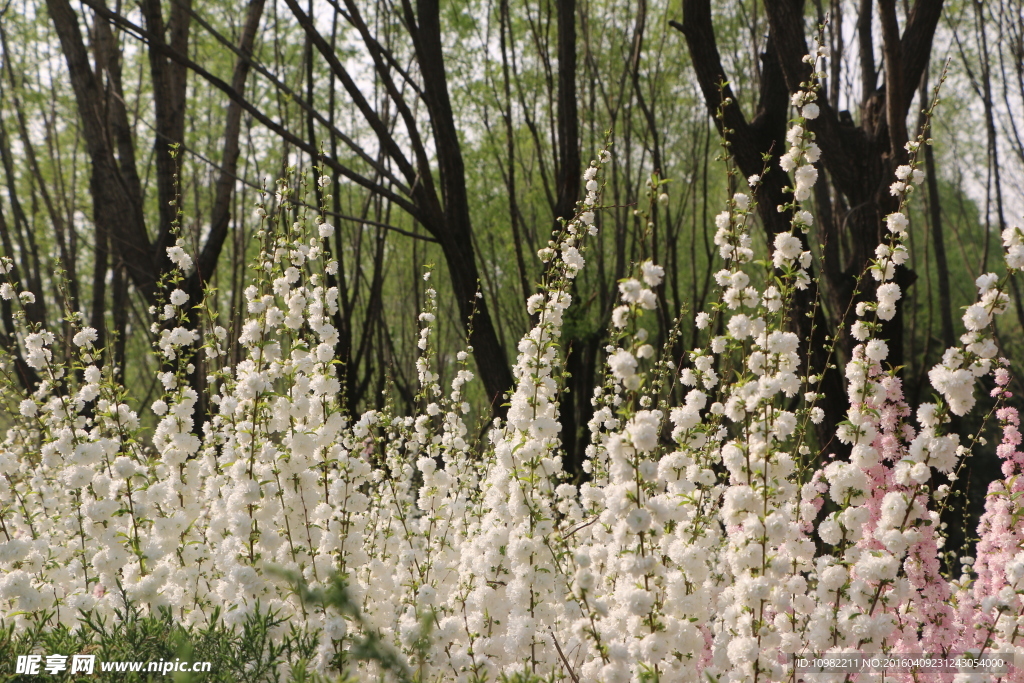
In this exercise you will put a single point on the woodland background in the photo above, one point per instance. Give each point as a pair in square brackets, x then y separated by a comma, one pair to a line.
[453, 133]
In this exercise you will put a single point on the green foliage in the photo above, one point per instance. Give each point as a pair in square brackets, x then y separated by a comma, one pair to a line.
[252, 653]
[368, 646]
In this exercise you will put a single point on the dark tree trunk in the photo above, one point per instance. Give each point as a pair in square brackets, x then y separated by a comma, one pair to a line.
[220, 216]
[860, 160]
[114, 204]
[749, 142]
[568, 183]
[444, 213]
[169, 90]
[575, 409]
[114, 182]
[27, 376]
[456, 236]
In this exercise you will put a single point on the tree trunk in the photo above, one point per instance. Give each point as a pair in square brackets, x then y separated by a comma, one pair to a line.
[861, 160]
[749, 142]
[114, 206]
[169, 91]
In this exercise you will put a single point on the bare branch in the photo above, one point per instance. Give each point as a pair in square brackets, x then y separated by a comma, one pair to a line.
[277, 128]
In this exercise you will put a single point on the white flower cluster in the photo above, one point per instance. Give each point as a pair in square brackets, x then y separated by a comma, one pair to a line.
[732, 237]
[955, 377]
[179, 257]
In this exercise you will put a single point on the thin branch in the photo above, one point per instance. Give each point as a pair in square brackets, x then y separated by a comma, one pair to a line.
[277, 128]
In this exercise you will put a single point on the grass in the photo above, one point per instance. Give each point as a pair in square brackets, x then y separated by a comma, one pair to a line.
[248, 654]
